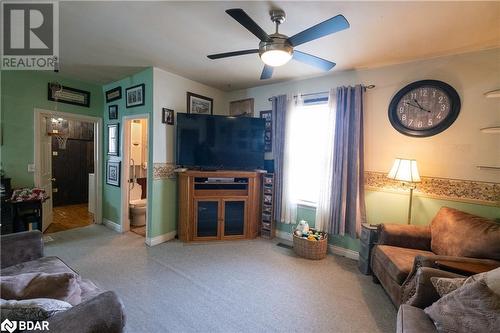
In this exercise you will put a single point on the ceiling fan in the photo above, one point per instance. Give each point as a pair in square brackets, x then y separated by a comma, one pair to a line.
[277, 49]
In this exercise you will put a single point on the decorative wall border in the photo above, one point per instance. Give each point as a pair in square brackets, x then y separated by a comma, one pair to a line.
[484, 193]
[163, 170]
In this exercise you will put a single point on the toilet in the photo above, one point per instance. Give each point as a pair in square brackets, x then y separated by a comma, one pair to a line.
[137, 206]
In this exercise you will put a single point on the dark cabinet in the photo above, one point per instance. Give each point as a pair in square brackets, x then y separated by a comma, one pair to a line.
[234, 217]
[207, 218]
[368, 238]
[219, 218]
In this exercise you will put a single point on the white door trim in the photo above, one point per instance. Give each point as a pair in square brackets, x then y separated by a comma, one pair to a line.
[38, 114]
[125, 172]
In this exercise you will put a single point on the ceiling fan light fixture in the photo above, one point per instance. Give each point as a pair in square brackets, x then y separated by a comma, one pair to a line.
[276, 58]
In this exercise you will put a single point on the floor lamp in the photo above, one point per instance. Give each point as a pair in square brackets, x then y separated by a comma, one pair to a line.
[406, 171]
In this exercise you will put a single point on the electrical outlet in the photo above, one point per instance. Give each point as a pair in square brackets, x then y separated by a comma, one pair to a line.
[31, 167]
[55, 153]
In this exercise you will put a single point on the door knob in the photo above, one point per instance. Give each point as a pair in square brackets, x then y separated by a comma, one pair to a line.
[53, 179]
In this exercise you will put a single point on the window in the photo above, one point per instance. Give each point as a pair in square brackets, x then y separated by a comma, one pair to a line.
[308, 135]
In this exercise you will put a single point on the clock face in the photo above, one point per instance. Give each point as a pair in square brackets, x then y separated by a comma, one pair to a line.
[424, 108]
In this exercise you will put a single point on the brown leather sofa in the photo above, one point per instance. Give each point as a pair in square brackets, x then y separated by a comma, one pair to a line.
[452, 235]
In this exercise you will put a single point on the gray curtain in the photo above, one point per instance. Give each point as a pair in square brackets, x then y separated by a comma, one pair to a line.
[279, 120]
[348, 200]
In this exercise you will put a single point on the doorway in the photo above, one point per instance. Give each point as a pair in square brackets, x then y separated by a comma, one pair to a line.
[67, 167]
[135, 180]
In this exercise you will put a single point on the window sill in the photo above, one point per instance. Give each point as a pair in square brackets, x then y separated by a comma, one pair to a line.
[307, 204]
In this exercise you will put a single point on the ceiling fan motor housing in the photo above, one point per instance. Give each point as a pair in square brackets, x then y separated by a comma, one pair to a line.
[278, 42]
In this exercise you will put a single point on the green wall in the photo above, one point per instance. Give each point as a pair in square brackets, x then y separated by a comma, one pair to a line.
[111, 204]
[164, 207]
[21, 92]
[392, 207]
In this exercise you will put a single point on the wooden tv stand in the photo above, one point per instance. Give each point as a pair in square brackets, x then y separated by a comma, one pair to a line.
[218, 205]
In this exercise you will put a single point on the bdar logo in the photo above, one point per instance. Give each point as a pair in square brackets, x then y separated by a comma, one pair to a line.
[8, 326]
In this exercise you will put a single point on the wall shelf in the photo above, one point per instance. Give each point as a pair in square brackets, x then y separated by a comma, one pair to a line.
[487, 167]
[491, 130]
[493, 94]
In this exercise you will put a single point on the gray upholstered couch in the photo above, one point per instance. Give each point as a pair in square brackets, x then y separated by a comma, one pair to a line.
[99, 311]
[411, 316]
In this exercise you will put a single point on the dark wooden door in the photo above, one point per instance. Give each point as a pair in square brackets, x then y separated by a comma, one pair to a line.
[71, 168]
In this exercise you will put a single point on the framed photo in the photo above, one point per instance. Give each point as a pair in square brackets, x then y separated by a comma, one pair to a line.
[113, 94]
[113, 139]
[135, 95]
[199, 104]
[268, 131]
[113, 112]
[113, 173]
[167, 116]
[241, 108]
[63, 94]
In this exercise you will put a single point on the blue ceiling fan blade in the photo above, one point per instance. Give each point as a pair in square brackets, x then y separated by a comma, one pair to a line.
[239, 15]
[335, 24]
[232, 54]
[313, 60]
[267, 72]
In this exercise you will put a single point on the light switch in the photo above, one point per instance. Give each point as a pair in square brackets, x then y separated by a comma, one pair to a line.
[55, 153]
[31, 167]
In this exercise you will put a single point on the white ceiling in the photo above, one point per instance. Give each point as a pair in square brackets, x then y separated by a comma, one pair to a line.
[104, 41]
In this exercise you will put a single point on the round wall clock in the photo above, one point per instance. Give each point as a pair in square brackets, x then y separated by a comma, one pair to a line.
[424, 108]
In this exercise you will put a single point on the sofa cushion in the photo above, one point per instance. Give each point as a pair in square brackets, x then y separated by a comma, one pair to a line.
[47, 265]
[35, 309]
[53, 265]
[61, 286]
[471, 308]
[397, 260]
[459, 234]
[413, 320]
[445, 286]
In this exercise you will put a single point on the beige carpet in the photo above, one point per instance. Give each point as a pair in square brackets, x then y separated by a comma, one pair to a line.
[240, 286]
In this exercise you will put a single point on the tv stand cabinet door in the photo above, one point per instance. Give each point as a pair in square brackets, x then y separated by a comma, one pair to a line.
[207, 219]
[234, 214]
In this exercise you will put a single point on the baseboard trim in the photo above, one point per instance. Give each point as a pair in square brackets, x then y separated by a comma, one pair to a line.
[333, 248]
[343, 252]
[284, 235]
[112, 225]
[161, 239]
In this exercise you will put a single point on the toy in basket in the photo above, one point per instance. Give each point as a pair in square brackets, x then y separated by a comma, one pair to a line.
[309, 243]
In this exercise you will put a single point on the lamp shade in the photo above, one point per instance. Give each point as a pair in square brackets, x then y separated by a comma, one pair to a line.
[404, 170]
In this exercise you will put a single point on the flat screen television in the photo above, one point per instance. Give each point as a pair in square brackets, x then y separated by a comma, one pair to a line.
[219, 142]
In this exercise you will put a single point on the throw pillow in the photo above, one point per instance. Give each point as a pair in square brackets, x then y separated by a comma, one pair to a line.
[445, 286]
[469, 309]
[61, 286]
[31, 309]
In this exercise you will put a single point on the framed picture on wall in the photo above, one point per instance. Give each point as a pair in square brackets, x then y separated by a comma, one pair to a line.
[167, 116]
[113, 173]
[113, 139]
[241, 108]
[199, 104]
[113, 112]
[135, 95]
[113, 94]
[268, 131]
[63, 94]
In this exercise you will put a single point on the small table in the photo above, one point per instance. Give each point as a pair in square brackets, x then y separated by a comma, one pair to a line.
[26, 212]
[464, 268]
[368, 238]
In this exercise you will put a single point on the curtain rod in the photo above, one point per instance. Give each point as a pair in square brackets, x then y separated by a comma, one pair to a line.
[370, 86]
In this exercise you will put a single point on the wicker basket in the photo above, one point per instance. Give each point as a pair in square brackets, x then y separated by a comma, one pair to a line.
[314, 250]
